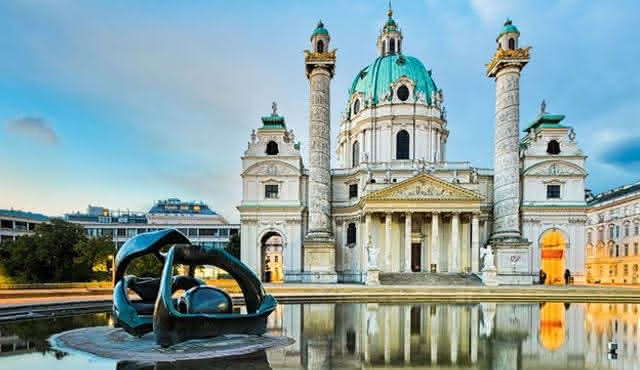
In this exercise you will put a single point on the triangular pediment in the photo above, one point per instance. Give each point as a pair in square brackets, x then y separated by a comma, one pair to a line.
[424, 187]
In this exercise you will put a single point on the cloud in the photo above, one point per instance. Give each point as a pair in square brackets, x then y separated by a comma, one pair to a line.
[491, 11]
[35, 128]
[623, 153]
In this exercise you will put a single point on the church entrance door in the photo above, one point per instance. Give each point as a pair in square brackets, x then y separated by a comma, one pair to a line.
[272, 263]
[416, 257]
[552, 243]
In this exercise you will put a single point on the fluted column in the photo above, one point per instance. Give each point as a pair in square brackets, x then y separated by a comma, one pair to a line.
[455, 242]
[435, 243]
[388, 218]
[475, 243]
[407, 242]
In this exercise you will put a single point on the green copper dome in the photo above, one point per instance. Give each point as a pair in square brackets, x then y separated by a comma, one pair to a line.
[508, 27]
[375, 80]
[320, 30]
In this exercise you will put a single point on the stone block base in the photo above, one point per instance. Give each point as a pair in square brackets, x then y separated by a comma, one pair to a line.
[512, 261]
[373, 277]
[489, 278]
[319, 261]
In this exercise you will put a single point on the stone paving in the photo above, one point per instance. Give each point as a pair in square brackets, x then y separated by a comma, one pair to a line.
[117, 344]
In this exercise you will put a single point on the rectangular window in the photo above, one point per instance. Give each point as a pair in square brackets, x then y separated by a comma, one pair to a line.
[617, 231]
[611, 233]
[107, 232]
[351, 233]
[271, 191]
[589, 237]
[635, 249]
[207, 232]
[636, 229]
[140, 231]
[193, 232]
[626, 230]
[553, 191]
[223, 232]
[131, 232]
[353, 191]
[626, 250]
[122, 232]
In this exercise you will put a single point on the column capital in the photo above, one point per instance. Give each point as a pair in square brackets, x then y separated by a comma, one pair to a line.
[388, 213]
[435, 212]
[408, 213]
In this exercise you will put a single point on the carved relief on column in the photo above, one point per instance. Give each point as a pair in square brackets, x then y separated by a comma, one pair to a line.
[319, 156]
[506, 182]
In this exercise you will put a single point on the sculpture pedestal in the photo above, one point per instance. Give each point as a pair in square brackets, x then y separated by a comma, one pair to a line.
[373, 277]
[512, 261]
[319, 261]
[489, 277]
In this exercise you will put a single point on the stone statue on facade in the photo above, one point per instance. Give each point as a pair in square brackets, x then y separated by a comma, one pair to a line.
[474, 176]
[486, 254]
[387, 174]
[253, 136]
[373, 255]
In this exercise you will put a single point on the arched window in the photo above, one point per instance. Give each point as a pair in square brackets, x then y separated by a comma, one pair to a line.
[392, 46]
[512, 44]
[356, 106]
[272, 148]
[320, 46]
[553, 147]
[351, 233]
[384, 48]
[402, 145]
[399, 50]
[403, 93]
[355, 154]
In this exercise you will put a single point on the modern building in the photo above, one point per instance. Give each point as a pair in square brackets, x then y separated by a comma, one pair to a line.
[195, 220]
[395, 204]
[613, 236]
[14, 224]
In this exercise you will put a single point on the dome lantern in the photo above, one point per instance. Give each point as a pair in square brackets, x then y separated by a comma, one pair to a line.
[320, 39]
[390, 39]
[508, 37]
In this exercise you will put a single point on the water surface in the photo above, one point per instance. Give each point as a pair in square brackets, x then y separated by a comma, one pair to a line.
[374, 335]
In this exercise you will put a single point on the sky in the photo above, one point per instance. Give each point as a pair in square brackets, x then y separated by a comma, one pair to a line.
[120, 103]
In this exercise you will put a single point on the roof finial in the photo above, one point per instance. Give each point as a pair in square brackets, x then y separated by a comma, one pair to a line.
[390, 11]
[508, 22]
[274, 107]
[543, 107]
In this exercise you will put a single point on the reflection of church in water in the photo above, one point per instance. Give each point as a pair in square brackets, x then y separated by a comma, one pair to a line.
[548, 335]
[395, 204]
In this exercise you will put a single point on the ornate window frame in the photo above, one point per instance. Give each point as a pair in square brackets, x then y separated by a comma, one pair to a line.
[410, 84]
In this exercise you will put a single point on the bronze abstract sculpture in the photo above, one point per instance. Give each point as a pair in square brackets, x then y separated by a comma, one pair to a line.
[202, 311]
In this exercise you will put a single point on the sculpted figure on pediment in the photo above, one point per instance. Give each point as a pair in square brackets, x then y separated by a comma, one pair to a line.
[555, 169]
[273, 169]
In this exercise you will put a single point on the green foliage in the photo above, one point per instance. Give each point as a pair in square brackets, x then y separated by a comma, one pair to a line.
[57, 251]
[233, 247]
[145, 266]
[91, 252]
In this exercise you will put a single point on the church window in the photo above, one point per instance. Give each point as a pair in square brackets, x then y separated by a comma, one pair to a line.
[626, 250]
[617, 231]
[553, 191]
[351, 233]
[617, 250]
[355, 154]
[271, 191]
[626, 230]
[392, 46]
[402, 145]
[512, 44]
[403, 93]
[320, 46]
[611, 233]
[553, 147]
[272, 148]
[356, 106]
[353, 191]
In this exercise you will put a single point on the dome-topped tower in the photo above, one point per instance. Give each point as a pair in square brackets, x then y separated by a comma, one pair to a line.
[394, 110]
[390, 39]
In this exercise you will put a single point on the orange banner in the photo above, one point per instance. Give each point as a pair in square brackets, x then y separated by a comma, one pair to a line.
[552, 253]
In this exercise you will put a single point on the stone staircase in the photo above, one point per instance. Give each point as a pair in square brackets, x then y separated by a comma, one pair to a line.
[429, 279]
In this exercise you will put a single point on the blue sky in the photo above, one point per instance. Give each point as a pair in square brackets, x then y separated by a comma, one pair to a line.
[120, 103]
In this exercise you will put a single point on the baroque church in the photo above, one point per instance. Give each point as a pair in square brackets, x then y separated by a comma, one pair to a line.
[395, 206]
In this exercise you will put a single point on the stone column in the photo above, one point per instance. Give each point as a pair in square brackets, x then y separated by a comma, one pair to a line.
[407, 242]
[475, 243]
[388, 218]
[387, 335]
[455, 241]
[363, 248]
[454, 333]
[319, 243]
[435, 244]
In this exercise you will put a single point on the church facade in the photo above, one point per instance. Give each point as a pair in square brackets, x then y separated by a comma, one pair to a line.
[395, 204]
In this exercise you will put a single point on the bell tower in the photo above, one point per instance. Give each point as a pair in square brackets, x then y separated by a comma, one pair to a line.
[319, 242]
[510, 248]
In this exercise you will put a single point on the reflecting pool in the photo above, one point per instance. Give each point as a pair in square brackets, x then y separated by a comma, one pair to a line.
[374, 335]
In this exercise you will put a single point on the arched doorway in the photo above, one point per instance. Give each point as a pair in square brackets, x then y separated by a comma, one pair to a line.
[272, 264]
[552, 244]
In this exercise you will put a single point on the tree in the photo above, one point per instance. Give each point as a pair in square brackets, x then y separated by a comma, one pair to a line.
[93, 253]
[233, 247]
[47, 255]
